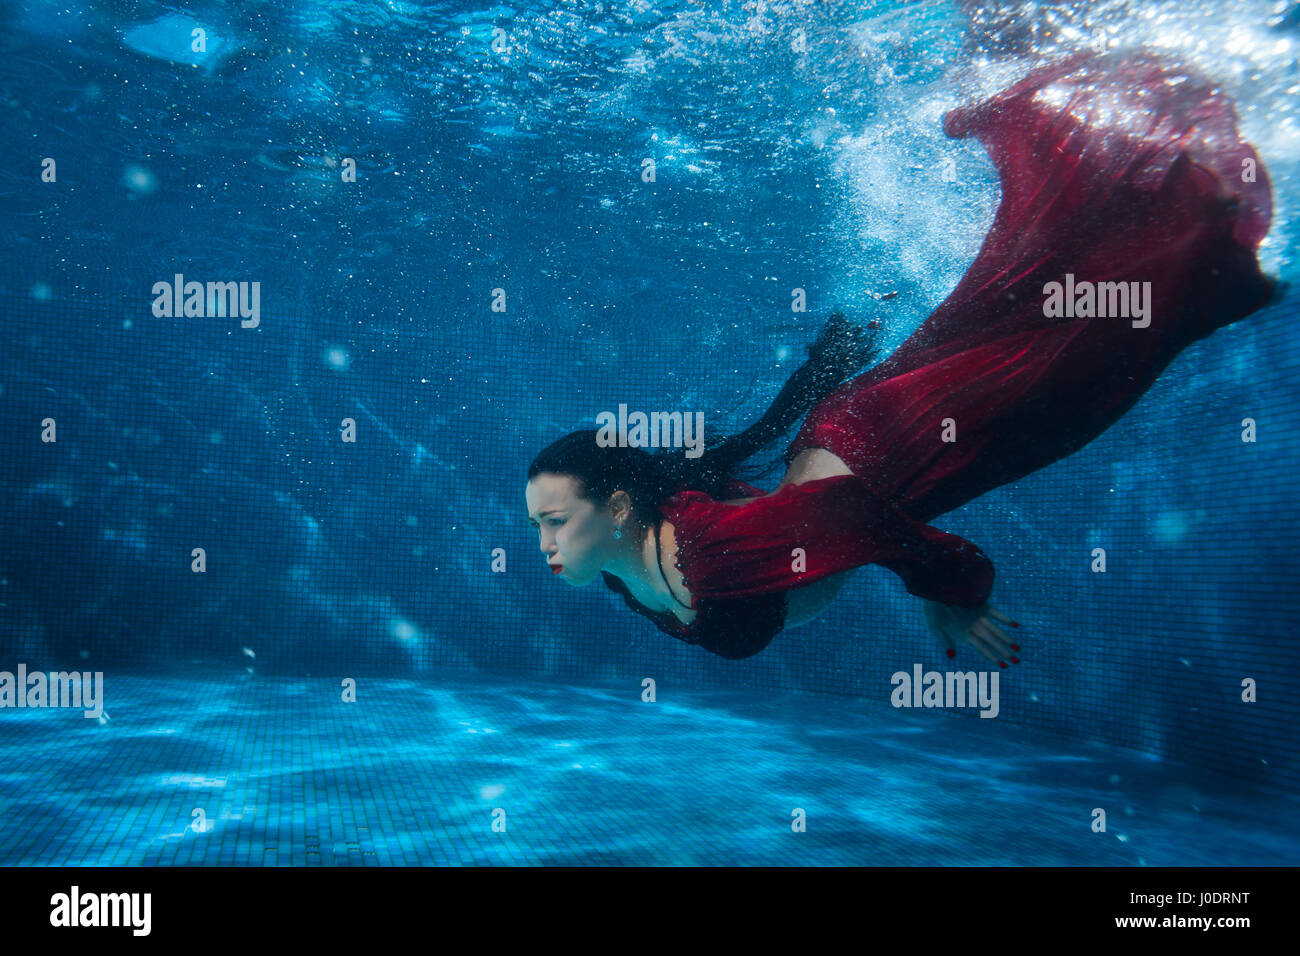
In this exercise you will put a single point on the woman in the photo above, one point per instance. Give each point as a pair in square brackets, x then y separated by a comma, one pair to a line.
[1119, 169]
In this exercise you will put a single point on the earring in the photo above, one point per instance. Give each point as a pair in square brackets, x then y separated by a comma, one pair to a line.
[618, 533]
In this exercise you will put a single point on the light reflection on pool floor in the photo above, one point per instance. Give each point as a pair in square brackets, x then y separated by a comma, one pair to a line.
[250, 770]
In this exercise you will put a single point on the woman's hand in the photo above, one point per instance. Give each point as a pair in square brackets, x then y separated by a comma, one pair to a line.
[950, 623]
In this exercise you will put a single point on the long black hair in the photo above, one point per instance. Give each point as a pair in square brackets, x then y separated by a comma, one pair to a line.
[841, 351]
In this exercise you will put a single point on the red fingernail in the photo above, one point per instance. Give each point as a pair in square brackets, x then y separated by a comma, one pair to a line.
[1015, 660]
[1015, 647]
[1002, 663]
[1014, 624]
[951, 652]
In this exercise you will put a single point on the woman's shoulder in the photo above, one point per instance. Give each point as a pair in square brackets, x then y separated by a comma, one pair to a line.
[678, 586]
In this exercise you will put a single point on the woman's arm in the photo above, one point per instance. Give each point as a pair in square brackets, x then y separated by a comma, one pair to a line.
[807, 532]
[937, 565]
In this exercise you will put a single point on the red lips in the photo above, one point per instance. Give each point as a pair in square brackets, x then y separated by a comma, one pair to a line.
[556, 568]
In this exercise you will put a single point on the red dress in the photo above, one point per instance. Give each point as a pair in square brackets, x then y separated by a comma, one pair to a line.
[1122, 170]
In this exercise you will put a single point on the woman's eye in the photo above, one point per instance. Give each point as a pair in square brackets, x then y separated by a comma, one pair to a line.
[556, 521]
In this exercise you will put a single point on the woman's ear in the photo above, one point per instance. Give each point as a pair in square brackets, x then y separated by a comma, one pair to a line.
[620, 506]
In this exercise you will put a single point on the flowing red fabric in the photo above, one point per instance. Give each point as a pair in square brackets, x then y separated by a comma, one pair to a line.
[809, 531]
[1113, 169]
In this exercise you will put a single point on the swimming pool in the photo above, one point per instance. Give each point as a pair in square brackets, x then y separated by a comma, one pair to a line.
[472, 771]
[432, 229]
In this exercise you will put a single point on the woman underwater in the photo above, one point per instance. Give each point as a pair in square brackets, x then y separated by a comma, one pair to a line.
[1116, 168]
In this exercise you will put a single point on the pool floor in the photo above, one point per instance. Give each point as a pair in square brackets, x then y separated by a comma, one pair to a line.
[447, 770]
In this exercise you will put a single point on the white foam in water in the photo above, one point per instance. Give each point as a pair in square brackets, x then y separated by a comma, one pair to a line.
[139, 180]
[171, 37]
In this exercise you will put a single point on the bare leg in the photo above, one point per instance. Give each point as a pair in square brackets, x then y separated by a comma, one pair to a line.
[812, 464]
[806, 603]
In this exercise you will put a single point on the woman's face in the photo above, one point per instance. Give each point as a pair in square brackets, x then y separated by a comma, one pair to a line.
[575, 534]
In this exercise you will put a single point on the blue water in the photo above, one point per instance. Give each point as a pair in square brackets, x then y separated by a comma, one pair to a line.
[502, 148]
[416, 773]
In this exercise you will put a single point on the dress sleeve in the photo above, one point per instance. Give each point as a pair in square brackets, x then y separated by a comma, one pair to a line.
[748, 549]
